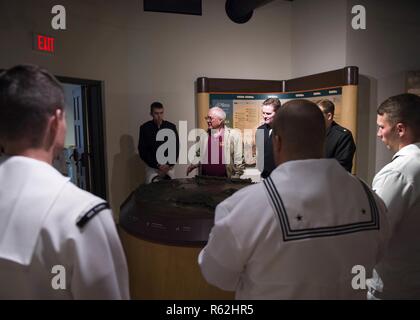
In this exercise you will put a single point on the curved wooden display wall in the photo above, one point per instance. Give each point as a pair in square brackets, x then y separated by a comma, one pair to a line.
[346, 79]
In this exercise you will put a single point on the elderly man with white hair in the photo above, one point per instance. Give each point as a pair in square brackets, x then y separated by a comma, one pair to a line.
[221, 154]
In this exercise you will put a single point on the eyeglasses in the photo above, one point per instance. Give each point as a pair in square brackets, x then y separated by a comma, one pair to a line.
[209, 118]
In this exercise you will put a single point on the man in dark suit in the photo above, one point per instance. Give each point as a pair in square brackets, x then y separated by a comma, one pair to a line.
[339, 142]
[157, 169]
[265, 158]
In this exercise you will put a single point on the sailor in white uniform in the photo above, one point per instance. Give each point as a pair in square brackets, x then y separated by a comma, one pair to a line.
[56, 240]
[397, 276]
[306, 232]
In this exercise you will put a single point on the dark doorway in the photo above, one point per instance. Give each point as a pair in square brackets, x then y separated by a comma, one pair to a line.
[84, 155]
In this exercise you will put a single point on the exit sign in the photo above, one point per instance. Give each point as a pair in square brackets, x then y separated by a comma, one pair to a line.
[44, 43]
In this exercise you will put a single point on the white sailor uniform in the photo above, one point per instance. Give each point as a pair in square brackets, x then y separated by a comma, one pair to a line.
[297, 235]
[56, 240]
[397, 276]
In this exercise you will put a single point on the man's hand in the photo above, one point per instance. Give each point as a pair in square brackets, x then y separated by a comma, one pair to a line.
[191, 167]
[163, 169]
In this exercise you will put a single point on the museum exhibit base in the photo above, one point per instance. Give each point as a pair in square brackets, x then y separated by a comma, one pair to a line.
[166, 272]
[163, 227]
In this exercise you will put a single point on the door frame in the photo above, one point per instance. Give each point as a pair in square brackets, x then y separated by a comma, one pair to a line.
[95, 130]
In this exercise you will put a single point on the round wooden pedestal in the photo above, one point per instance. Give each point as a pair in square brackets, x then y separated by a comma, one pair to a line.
[166, 272]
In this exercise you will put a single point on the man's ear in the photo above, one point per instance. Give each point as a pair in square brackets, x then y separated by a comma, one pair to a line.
[330, 116]
[51, 132]
[277, 143]
[401, 129]
[57, 117]
[53, 125]
[277, 149]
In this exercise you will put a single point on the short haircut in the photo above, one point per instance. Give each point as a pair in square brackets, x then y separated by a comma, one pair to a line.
[275, 102]
[326, 105]
[301, 126]
[403, 108]
[155, 105]
[28, 96]
[219, 111]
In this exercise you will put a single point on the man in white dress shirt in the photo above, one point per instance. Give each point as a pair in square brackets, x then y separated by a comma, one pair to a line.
[56, 240]
[397, 276]
[300, 233]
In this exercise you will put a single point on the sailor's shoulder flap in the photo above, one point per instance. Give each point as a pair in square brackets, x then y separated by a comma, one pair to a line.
[85, 217]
